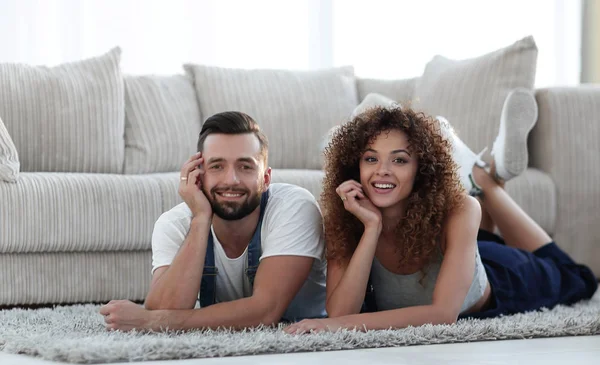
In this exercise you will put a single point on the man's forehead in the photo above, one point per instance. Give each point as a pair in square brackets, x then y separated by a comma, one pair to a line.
[231, 146]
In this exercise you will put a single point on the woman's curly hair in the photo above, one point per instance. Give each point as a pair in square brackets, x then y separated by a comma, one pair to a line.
[437, 188]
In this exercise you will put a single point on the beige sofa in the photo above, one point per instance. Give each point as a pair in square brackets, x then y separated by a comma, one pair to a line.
[99, 154]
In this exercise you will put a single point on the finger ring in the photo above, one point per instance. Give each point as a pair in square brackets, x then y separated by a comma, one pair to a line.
[184, 178]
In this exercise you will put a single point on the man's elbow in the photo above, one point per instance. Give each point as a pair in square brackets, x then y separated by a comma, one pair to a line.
[272, 317]
[270, 320]
[152, 305]
[269, 313]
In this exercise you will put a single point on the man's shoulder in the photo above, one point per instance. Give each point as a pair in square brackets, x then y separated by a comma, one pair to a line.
[288, 194]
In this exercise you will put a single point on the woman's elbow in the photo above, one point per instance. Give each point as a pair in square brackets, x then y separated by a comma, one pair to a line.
[447, 316]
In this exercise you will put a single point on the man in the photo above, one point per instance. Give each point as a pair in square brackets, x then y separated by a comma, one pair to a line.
[240, 251]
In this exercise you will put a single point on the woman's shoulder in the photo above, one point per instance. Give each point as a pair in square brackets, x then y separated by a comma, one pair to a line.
[467, 214]
[469, 208]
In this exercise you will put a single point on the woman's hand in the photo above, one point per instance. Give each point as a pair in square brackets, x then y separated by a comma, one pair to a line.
[357, 203]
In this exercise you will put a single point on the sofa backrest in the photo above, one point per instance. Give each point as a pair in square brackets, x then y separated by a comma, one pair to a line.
[162, 123]
[86, 117]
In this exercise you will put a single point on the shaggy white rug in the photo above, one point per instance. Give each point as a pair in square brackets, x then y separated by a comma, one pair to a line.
[76, 334]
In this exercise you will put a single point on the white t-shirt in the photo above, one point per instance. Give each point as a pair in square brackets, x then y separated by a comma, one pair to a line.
[292, 225]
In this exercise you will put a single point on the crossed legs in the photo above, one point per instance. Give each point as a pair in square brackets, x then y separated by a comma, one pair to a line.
[517, 228]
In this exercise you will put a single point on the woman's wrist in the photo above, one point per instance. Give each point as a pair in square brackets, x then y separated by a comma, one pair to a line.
[373, 229]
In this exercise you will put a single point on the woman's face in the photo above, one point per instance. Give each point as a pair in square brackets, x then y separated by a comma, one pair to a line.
[388, 169]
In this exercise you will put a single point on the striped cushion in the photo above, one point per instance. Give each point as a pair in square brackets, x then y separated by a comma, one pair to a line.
[470, 93]
[294, 109]
[162, 123]
[49, 212]
[68, 118]
[9, 159]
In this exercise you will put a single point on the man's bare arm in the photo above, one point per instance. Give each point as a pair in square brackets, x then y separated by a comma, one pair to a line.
[176, 286]
[278, 280]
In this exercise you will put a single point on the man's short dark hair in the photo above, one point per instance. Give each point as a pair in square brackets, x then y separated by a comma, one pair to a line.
[233, 123]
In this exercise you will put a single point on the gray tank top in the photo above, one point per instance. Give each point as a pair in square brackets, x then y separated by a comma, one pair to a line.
[393, 291]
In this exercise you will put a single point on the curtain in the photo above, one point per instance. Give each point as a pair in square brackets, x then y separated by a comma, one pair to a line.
[380, 38]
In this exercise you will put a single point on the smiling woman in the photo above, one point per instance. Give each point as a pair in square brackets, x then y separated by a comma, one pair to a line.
[388, 151]
[407, 244]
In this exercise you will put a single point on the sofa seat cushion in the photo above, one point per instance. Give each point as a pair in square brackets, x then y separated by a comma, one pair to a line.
[60, 212]
[9, 158]
[54, 212]
[74, 277]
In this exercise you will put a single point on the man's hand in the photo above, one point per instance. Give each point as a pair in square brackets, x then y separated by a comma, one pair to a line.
[124, 315]
[190, 186]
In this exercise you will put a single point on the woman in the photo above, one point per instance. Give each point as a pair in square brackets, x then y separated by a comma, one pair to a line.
[408, 246]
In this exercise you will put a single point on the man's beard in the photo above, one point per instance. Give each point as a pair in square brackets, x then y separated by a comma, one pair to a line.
[231, 211]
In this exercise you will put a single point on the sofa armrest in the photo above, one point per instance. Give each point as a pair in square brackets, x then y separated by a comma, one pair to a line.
[565, 144]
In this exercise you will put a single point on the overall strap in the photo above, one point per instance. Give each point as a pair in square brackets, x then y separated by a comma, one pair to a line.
[254, 248]
[208, 284]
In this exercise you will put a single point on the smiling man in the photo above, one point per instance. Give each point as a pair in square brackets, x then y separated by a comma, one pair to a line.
[240, 251]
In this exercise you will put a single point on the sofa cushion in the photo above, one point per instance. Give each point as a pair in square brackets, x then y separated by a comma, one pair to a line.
[401, 90]
[162, 123]
[293, 108]
[373, 100]
[52, 212]
[470, 93]
[68, 118]
[9, 159]
[311, 180]
[74, 277]
[168, 184]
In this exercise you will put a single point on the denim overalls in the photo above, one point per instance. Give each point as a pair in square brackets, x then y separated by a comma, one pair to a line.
[208, 285]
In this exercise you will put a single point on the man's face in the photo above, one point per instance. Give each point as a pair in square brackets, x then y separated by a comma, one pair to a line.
[235, 174]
